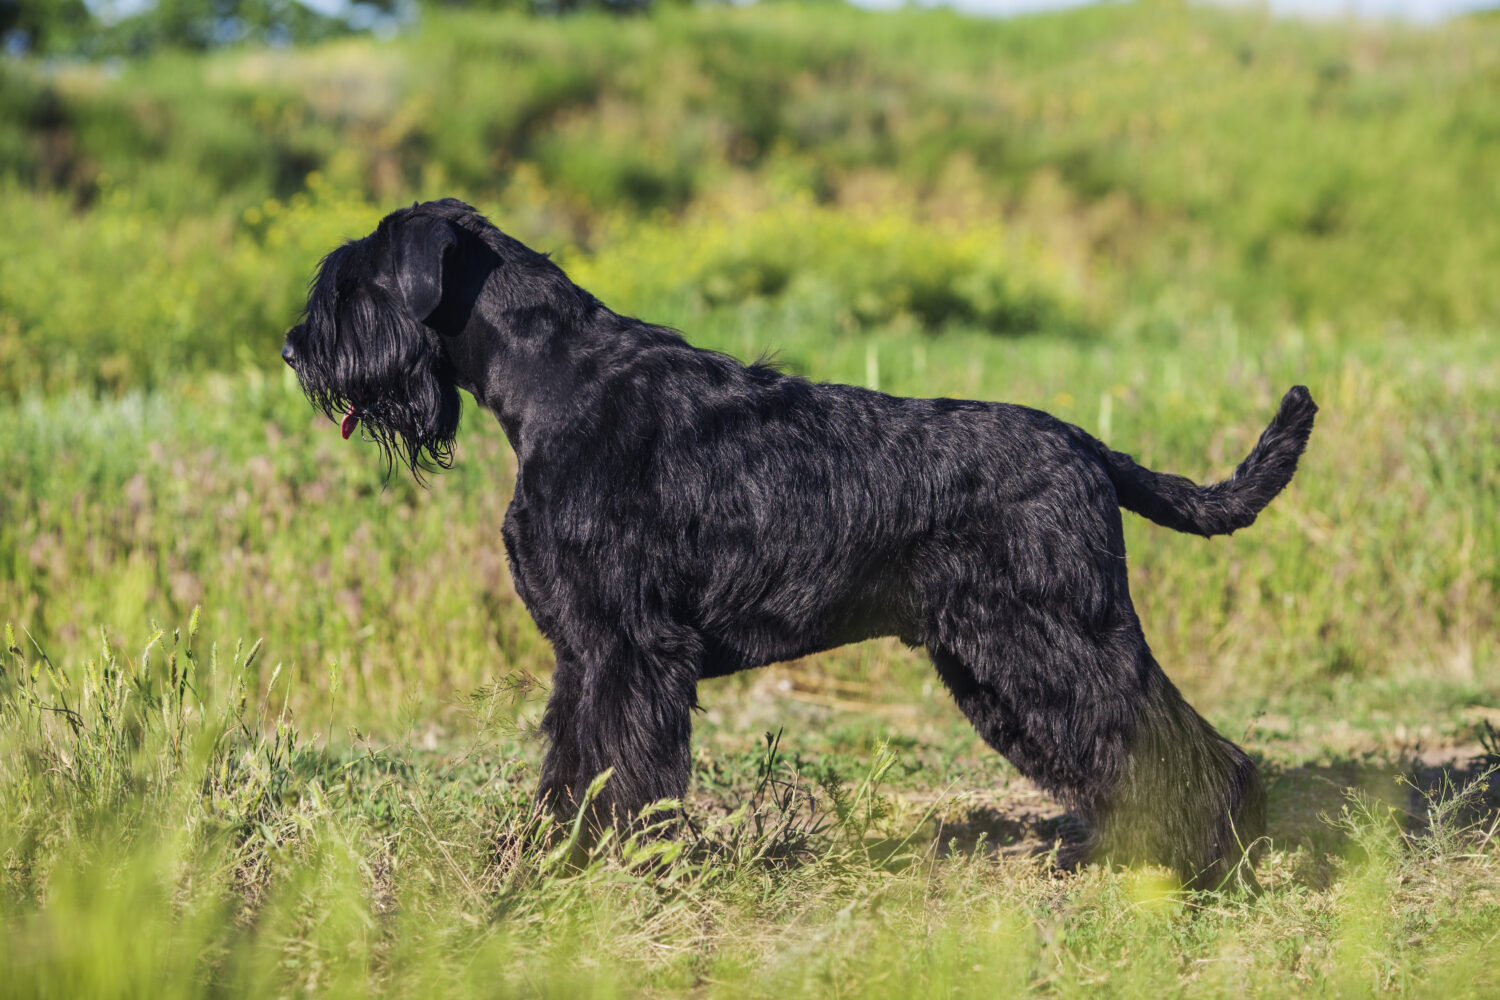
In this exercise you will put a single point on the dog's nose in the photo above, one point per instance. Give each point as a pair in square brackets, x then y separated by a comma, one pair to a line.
[287, 354]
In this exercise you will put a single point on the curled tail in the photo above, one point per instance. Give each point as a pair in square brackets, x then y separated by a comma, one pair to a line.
[1183, 505]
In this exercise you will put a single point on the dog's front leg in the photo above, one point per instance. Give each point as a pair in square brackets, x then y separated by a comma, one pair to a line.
[633, 718]
[554, 792]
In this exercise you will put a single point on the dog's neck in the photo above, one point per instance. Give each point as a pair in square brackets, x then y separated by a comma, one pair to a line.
[546, 373]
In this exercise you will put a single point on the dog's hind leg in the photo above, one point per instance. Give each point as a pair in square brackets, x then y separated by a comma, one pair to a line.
[1190, 799]
[1088, 714]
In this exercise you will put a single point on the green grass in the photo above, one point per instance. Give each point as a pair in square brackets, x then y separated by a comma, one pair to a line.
[1371, 582]
[1151, 220]
[169, 832]
[341, 815]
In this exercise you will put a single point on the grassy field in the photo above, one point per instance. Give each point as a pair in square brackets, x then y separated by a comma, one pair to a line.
[267, 723]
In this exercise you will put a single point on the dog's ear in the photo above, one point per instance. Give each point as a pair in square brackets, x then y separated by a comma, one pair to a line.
[418, 248]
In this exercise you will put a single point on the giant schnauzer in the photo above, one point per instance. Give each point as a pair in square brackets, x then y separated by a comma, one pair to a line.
[679, 515]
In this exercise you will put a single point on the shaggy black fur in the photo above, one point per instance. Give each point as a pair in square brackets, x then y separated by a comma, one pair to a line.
[679, 515]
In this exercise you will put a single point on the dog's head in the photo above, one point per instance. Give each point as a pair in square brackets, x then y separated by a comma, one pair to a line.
[398, 322]
[365, 352]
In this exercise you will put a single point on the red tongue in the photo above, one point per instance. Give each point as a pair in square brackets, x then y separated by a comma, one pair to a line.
[351, 420]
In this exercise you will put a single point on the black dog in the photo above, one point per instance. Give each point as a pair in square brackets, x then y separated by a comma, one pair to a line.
[679, 515]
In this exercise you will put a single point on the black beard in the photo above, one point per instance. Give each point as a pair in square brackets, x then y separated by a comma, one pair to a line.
[414, 421]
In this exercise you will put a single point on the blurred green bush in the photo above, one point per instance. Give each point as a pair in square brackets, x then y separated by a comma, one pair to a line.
[1053, 172]
[855, 267]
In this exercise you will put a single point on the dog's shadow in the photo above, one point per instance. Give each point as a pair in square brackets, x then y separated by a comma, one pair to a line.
[1016, 833]
[1314, 815]
[1315, 811]
[1323, 810]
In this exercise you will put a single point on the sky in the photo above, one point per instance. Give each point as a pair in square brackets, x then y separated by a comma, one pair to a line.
[1420, 11]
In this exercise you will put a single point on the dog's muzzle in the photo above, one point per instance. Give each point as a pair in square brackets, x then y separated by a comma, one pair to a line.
[351, 415]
